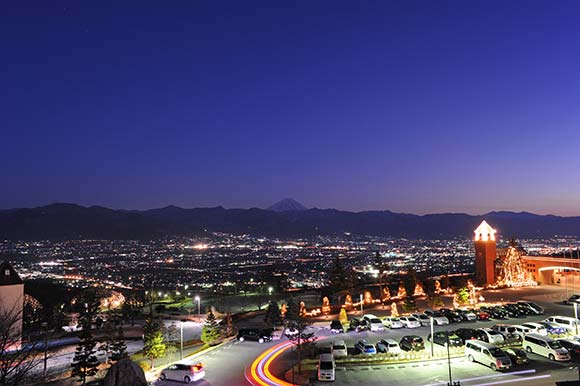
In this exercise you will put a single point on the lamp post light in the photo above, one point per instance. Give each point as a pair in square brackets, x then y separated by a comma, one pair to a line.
[44, 369]
[198, 300]
[576, 316]
[361, 304]
[451, 383]
[181, 340]
[270, 289]
[432, 346]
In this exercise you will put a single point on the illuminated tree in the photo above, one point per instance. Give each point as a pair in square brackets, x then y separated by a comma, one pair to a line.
[402, 292]
[325, 306]
[513, 269]
[462, 295]
[342, 316]
[394, 310]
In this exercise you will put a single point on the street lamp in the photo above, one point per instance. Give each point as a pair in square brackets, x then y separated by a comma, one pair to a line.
[270, 289]
[198, 300]
[576, 316]
[45, 327]
[361, 304]
[432, 347]
[181, 340]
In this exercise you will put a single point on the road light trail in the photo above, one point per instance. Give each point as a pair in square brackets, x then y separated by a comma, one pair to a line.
[259, 373]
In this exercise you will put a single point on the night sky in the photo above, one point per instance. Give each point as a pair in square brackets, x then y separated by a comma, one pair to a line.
[414, 106]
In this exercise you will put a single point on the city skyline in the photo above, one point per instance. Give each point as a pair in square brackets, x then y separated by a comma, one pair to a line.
[413, 107]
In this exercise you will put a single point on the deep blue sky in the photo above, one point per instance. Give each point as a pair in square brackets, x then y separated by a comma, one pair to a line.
[416, 106]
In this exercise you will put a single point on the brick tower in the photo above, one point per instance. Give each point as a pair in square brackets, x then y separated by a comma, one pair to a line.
[485, 254]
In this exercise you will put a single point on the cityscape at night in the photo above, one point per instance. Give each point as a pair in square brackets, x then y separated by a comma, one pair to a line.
[268, 193]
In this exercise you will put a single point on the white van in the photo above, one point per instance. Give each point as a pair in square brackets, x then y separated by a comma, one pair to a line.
[487, 354]
[183, 372]
[339, 348]
[546, 346]
[563, 321]
[326, 367]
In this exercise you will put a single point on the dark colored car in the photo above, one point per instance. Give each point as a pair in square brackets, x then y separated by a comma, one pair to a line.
[440, 338]
[255, 335]
[573, 347]
[498, 312]
[336, 327]
[536, 309]
[517, 356]
[412, 343]
[453, 316]
[359, 325]
[514, 311]
[466, 334]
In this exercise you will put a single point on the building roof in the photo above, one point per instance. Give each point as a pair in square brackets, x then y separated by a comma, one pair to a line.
[8, 275]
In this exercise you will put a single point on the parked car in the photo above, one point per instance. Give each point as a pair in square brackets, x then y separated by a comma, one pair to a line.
[510, 333]
[536, 328]
[358, 325]
[466, 334]
[440, 338]
[553, 329]
[392, 322]
[573, 347]
[563, 321]
[545, 346]
[489, 336]
[374, 323]
[451, 315]
[423, 318]
[336, 327]
[326, 367]
[481, 314]
[410, 322]
[438, 318]
[574, 299]
[466, 315]
[365, 347]
[487, 354]
[388, 346]
[538, 310]
[255, 335]
[339, 348]
[183, 372]
[514, 311]
[517, 356]
[495, 312]
[412, 343]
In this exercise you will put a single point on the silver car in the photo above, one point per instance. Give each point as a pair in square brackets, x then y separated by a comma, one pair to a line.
[183, 372]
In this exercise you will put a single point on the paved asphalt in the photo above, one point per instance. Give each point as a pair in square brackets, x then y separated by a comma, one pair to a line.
[225, 366]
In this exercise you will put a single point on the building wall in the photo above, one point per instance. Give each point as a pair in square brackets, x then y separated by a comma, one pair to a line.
[11, 305]
[485, 255]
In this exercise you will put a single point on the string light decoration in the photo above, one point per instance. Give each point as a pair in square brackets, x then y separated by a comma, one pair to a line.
[513, 271]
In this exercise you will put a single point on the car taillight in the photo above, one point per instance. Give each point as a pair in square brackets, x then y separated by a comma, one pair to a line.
[499, 363]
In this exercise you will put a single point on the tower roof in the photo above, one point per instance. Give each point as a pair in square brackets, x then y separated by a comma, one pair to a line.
[484, 232]
[8, 275]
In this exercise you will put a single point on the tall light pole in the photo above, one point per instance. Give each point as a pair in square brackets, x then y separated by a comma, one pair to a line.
[181, 340]
[198, 300]
[432, 347]
[44, 369]
[361, 304]
[576, 316]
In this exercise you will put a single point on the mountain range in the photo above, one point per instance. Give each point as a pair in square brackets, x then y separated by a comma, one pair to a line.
[284, 220]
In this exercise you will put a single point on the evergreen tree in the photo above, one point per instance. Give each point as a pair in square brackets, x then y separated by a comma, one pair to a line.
[118, 346]
[338, 278]
[172, 338]
[463, 295]
[292, 311]
[410, 282]
[85, 363]
[273, 317]
[342, 316]
[153, 341]
[210, 333]
[229, 330]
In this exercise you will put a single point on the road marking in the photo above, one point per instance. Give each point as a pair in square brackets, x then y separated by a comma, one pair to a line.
[487, 377]
[514, 380]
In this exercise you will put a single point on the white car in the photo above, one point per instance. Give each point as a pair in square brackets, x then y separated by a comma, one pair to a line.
[536, 328]
[410, 322]
[522, 330]
[467, 314]
[183, 372]
[492, 336]
[375, 323]
[424, 319]
[392, 322]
